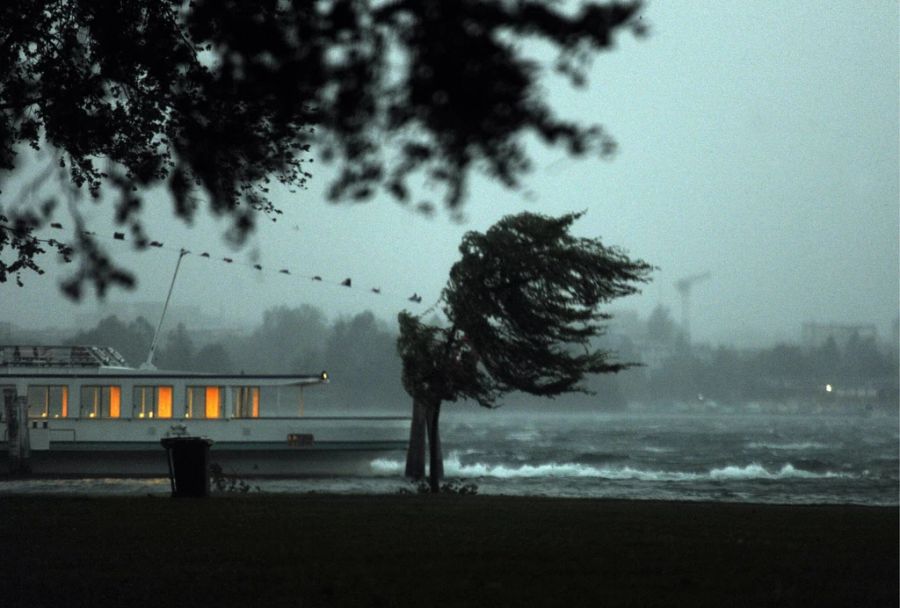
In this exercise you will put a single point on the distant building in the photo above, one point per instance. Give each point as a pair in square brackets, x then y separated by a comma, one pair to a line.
[5, 332]
[814, 335]
[633, 338]
[627, 322]
[654, 355]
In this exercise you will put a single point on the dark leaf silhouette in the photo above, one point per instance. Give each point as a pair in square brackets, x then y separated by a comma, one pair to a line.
[220, 101]
[523, 305]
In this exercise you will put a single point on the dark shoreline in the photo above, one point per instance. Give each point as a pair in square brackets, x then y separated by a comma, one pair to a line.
[394, 550]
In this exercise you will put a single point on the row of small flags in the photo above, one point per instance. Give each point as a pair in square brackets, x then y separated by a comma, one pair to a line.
[120, 236]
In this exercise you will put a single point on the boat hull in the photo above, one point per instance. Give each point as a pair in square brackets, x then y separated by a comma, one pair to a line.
[275, 447]
[248, 461]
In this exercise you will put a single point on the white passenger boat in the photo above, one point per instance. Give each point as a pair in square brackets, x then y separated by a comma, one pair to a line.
[81, 411]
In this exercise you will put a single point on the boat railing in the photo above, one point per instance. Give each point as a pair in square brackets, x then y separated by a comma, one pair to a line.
[60, 356]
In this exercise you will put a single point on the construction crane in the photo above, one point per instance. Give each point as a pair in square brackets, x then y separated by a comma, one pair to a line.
[684, 287]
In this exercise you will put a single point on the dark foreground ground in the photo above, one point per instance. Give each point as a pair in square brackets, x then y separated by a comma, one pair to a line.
[438, 551]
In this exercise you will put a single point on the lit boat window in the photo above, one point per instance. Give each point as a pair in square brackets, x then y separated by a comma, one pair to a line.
[213, 401]
[164, 402]
[101, 401]
[48, 401]
[152, 402]
[115, 401]
[204, 402]
[245, 400]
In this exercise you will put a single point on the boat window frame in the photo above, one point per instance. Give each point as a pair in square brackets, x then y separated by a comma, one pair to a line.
[240, 393]
[139, 409]
[103, 402]
[190, 401]
[47, 410]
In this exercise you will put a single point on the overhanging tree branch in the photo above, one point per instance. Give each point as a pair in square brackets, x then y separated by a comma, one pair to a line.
[221, 94]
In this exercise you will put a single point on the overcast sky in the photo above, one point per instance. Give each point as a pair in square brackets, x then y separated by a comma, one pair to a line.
[758, 141]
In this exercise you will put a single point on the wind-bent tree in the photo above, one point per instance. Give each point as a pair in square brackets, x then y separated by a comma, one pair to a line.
[219, 100]
[522, 306]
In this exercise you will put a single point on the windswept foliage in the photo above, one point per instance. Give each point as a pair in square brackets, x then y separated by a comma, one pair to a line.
[218, 100]
[523, 305]
[523, 308]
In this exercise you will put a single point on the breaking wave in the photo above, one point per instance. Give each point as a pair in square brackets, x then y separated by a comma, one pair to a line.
[523, 436]
[756, 471]
[805, 445]
[454, 468]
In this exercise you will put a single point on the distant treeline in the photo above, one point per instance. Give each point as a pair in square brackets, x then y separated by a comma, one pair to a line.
[857, 370]
[359, 353]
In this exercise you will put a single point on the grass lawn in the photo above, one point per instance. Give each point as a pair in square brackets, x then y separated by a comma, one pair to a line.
[316, 550]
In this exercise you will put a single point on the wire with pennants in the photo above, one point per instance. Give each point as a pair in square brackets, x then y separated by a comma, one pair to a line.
[121, 236]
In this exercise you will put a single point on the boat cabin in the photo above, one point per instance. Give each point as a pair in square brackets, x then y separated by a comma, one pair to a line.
[92, 382]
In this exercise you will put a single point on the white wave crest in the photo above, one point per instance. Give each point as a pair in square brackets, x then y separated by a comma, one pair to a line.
[523, 436]
[804, 445]
[756, 471]
[385, 466]
[454, 468]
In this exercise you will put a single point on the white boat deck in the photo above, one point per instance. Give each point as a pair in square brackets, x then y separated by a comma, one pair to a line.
[87, 411]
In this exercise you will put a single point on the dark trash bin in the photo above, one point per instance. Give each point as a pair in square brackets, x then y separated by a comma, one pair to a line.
[188, 465]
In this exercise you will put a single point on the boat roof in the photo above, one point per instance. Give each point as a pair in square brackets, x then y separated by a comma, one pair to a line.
[26, 355]
[27, 361]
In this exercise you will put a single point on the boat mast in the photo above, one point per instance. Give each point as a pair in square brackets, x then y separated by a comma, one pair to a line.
[148, 364]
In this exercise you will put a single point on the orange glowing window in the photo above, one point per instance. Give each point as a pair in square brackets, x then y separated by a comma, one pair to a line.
[212, 402]
[115, 402]
[164, 402]
[47, 401]
[255, 402]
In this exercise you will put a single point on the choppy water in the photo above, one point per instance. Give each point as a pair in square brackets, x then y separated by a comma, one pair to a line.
[719, 457]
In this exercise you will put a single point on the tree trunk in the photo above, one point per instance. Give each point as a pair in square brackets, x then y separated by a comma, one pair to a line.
[424, 427]
[415, 452]
[436, 457]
